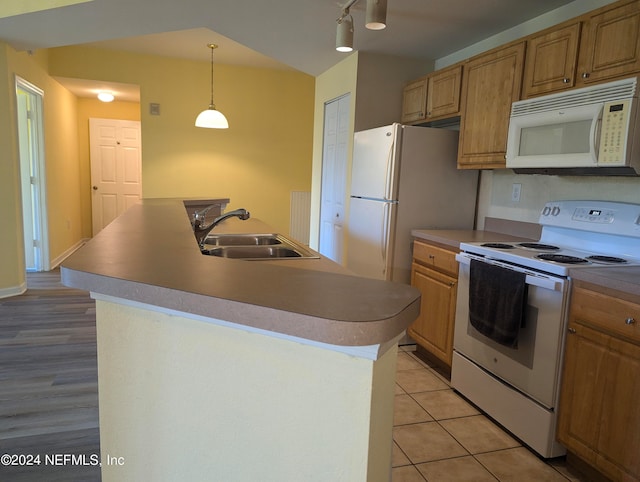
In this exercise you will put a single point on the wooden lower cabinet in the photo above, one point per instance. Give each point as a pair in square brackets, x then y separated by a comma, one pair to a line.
[434, 273]
[599, 415]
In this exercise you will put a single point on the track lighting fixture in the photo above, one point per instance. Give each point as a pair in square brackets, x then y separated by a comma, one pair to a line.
[212, 118]
[344, 35]
[376, 16]
[375, 19]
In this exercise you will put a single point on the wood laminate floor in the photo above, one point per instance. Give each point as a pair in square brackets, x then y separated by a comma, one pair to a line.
[48, 384]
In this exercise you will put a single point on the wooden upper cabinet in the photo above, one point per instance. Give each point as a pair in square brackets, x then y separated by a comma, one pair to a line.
[492, 82]
[443, 93]
[414, 101]
[610, 43]
[552, 58]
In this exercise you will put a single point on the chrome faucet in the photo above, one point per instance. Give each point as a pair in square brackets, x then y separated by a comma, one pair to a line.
[202, 231]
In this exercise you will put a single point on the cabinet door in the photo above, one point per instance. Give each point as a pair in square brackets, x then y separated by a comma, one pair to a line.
[610, 45]
[491, 83]
[433, 329]
[582, 393]
[619, 440]
[551, 61]
[443, 93]
[414, 101]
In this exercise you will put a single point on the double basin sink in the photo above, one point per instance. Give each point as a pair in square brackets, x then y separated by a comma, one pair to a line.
[254, 247]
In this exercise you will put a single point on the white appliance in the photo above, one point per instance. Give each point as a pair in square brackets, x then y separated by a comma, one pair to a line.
[593, 130]
[403, 178]
[518, 385]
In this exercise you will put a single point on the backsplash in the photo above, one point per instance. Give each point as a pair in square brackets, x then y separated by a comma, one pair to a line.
[495, 196]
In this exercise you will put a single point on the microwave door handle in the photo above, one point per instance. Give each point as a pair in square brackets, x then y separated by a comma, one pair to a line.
[594, 134]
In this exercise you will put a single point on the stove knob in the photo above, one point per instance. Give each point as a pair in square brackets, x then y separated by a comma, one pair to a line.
[546, 211]
[555, 211]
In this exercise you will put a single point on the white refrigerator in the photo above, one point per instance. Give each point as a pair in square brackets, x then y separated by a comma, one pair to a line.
[403, 178]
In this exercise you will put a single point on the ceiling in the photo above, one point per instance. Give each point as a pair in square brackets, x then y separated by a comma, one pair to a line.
[287, 34]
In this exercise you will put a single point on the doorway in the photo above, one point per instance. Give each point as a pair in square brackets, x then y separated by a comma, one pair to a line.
[116, 169]
[32, 175]
[333, 190]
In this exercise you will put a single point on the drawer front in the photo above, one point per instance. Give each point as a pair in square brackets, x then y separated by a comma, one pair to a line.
[617, 317]
[436, 257]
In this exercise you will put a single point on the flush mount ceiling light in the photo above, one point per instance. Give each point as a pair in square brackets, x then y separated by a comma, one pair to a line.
[211, 118]
[375, 19]
[105, 96]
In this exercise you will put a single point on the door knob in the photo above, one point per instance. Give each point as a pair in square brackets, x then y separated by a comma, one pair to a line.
[95, 188]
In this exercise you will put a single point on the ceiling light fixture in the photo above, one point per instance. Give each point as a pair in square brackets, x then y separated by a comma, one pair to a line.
[375, 19]
[212, 118]
[376, 16]
[105, 96]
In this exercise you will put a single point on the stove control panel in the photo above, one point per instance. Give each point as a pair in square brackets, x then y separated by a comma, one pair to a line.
[594, 215]
[607, 217]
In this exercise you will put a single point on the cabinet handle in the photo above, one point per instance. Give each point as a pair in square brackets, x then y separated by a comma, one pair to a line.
[566, 81]
[630, 321]
[585, 75]
[571, 330]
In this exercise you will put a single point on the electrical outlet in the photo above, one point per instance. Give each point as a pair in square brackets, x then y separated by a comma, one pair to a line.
[516, 190]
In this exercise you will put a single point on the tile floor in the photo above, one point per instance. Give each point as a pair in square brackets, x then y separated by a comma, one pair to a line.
[440, 437]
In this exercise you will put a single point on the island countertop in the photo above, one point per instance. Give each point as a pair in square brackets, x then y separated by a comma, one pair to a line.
[150, 255]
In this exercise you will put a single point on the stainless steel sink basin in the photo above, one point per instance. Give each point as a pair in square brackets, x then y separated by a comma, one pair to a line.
[253, 252]
[255, 247]
[242, 239]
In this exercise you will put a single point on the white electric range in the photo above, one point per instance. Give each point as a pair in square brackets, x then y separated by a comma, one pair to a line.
[519, 385]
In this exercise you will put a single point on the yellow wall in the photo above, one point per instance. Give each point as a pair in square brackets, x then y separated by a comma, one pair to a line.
[11, 263]
[265, 154]
[93, 108]
[62, 167]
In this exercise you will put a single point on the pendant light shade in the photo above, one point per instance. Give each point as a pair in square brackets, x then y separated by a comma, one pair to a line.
[344, 34]
[376, 16]
[211, 118]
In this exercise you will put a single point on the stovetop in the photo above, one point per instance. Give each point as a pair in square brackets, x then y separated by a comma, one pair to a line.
[575, 234]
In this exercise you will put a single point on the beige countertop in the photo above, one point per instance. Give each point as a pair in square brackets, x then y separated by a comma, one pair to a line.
[625, 281]
[150, 255]
[453, 237]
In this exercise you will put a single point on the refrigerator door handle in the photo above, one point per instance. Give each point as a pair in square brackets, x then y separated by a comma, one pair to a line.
[384, 235]
[388, 185]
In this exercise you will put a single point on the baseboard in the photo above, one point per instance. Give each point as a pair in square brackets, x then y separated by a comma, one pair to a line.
[13, 290]
[57, 261]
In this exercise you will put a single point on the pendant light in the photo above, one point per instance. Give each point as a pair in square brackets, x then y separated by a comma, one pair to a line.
[376, 16]
[212, 118]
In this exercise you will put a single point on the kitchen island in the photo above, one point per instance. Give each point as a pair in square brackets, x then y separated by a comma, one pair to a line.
[221, 369]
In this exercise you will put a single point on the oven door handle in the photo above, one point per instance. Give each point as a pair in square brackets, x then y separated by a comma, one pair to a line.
[531, 279]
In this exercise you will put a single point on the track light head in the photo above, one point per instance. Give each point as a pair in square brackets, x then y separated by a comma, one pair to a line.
[344, 33]
[376, 16]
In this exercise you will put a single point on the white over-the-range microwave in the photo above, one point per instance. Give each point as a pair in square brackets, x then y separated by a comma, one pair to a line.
[593, 130]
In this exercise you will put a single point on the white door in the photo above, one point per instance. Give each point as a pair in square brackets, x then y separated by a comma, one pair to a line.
[32, 168]
[334, 178]
[116, 169]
